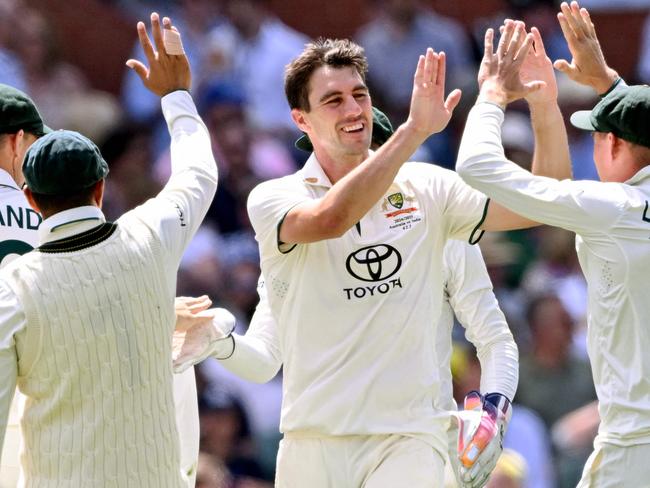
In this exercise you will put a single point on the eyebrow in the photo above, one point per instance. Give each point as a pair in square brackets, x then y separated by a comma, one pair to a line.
[332, 93]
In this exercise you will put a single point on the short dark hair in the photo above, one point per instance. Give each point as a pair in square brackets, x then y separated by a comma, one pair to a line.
[338, 53]
[51, 204]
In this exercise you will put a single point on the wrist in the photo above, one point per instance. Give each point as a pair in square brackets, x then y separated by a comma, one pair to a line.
[493, 94]
[605, 84]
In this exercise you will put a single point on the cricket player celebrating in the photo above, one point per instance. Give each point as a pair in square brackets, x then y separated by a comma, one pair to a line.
[87, 317]
[611, 219]
[351, 255]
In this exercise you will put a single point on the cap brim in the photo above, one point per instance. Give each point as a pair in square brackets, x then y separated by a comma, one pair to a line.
[582, 120]
[303, 143]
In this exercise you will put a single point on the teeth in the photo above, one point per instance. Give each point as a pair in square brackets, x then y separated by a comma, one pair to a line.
[350, 128]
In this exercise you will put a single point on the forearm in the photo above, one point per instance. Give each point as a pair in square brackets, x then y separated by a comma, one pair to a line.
[252, 359]
[551, 157]
[192, 161]
[352, 196]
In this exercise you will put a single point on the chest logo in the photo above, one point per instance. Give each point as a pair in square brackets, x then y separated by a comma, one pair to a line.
[374, 263]
[396, 200]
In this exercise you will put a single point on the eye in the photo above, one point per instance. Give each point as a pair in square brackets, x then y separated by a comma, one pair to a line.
[360, 96]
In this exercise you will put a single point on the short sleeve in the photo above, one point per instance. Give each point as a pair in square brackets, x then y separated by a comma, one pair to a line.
[268, 204]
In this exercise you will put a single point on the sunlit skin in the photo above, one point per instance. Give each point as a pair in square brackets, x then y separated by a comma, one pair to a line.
[616, 159]
[339, 102]
[13, 152]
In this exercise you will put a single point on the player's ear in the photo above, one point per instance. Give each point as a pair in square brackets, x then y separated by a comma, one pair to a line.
[299, 119]
[98, 193]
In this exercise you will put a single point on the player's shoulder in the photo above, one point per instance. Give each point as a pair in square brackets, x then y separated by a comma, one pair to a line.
[275, 187]
[426, 172]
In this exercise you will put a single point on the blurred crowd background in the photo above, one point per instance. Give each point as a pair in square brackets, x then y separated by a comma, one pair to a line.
[69, 56]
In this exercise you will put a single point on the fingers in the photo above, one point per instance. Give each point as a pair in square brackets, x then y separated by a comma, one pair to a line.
[418, 78]
[488, 50]
[533, 86]
[441, 71]
[516, 42]
[452, 100]
[566, 68]
[157, 33]
[538, 43]
[430, 67]
[589, 25]
[506, 36]
[139, 68]
[523, 50]
[145, 42]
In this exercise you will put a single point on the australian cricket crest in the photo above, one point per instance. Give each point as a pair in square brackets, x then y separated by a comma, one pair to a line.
[396, 200]
[401, 208]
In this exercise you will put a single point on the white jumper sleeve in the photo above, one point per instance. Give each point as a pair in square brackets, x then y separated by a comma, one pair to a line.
[256, 355]
[476, 308]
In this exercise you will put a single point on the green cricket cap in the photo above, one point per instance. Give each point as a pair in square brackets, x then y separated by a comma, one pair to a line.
[625, 112]
[63, 162]
[18, 111]
[382, 129]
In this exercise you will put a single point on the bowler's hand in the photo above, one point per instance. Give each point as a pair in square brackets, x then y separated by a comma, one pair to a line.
[588, 65]
[499, 76]
[430, 111]
[166, 72]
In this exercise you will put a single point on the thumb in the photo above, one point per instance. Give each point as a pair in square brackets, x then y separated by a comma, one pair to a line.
[452, 100]
[563, 66]
[140, 69]
[533, 86]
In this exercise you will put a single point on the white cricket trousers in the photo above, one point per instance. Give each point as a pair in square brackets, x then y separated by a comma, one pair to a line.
[374, 461]
[611, 466]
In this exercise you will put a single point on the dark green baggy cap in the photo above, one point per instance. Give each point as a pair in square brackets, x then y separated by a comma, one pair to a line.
[382, 129]
[63, 162]
[625, 112]
[18, 111]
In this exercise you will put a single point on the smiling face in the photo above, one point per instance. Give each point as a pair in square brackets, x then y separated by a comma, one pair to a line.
[339, 120]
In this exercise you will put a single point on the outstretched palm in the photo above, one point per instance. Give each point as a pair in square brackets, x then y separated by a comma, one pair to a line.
[538, 67]
[430, 111]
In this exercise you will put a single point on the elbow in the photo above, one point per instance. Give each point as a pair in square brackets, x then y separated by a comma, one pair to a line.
[334, 224]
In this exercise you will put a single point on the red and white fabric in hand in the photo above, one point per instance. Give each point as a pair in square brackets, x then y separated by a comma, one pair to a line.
[481, 427]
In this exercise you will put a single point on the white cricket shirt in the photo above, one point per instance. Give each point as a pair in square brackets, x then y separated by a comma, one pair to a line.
[612, 226]
[354, 313]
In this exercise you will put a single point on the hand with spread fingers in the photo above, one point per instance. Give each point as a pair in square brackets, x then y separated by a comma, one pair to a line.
[430, 111]
[588, 65]
[499, 75]
[169, 69]
[537, 66]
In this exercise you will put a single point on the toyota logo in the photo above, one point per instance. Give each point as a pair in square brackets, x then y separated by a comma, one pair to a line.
[374, 263]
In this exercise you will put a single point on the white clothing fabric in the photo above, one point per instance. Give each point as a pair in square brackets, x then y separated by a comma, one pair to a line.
[18, 225]
[354, 314]
[165, 224]
[612, 226]
[377, 461]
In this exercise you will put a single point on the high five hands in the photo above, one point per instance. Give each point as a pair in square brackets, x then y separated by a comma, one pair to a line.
[499, 76]
[430, 111]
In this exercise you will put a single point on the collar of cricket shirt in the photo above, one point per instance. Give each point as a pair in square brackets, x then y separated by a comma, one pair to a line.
[7, 181]
[641, 175]
[312, 172]
[70, 222]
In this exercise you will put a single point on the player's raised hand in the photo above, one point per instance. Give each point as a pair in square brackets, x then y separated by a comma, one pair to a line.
[169, 69]
[499, 74]
[538, 67]
[588, 65]
[430, 110]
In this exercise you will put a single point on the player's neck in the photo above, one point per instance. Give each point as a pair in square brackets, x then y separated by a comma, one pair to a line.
[337, 167]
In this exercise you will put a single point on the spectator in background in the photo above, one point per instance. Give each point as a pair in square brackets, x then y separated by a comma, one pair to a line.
[12, 72]
[264, 46]
[400, 31]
